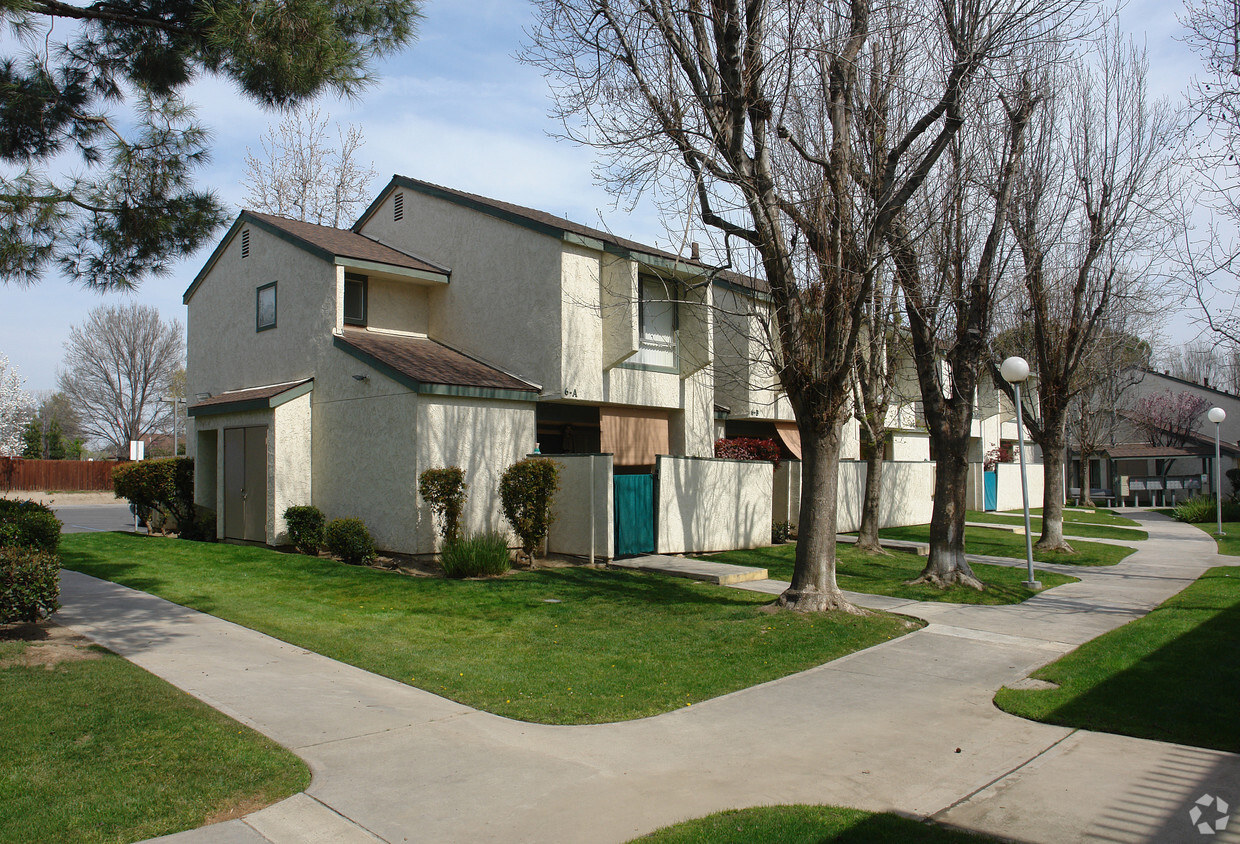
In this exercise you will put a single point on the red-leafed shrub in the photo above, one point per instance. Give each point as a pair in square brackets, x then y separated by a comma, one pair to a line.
[748, 448]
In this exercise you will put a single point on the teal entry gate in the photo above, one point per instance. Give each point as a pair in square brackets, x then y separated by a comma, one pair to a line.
[634, 514]
[990, 491]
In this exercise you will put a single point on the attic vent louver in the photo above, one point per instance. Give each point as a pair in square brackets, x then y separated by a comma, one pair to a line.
[245, 243]
[398, 207]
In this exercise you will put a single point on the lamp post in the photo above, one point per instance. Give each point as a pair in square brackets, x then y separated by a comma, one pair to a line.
[1217, 415]
[1014, 371]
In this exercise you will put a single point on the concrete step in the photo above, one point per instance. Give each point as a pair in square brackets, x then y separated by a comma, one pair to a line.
[921, 549]
[722, 574]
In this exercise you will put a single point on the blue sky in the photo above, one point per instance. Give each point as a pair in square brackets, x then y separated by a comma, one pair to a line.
[456, 108]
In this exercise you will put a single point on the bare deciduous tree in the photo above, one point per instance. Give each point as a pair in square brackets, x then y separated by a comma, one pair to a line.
[950, 273]
[761, 111]
[1104, 399]
[1086, 203]
[117, 365]
[1170, 419]
[303, 176]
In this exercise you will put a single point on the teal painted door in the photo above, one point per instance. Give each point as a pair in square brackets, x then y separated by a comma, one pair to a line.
[990, 493]
[634, 512]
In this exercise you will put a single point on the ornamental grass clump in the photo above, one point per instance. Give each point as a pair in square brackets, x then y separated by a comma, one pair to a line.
[478, 555]
[1201, 508]
[349, 540]
[307, 528]
[525, 493]
[444, 491]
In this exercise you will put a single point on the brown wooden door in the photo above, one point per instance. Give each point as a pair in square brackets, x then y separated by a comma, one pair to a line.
[245, 483]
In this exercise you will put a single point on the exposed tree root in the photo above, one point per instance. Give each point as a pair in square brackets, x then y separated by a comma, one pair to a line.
[876, 549]
[955, 577]
[811, 600]
[1061, 547]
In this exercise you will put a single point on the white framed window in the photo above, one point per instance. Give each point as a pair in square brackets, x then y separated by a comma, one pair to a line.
[658, 323]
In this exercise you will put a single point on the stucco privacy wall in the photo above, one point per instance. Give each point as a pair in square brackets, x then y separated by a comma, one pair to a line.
[570, 532]
[908, 494]
[1009, 485]
[712, 505]
[482, 437]
[503, 302]
[786, 499]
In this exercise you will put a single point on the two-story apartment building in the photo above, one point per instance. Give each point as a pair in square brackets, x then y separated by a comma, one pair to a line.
[332, 367]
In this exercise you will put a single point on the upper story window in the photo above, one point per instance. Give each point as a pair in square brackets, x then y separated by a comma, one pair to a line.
[265, 308]
[354, 299]
[658, 324]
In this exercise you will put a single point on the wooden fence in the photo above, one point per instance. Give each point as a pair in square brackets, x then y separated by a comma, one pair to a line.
[17, 473]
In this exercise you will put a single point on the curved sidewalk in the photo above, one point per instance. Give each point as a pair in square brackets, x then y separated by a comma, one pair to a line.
[906, 726]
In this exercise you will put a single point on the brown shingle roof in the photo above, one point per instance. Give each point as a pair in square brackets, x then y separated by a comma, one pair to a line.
[248, 396]
[427, 361]
[345, 243]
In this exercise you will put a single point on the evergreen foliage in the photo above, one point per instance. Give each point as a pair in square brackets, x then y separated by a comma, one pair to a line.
[349, 540]
[525, 492]
[480, 555]
[28, 524]
[444, 491]
[159, 490]
[29, 584]
[130, 207]
[306, 527]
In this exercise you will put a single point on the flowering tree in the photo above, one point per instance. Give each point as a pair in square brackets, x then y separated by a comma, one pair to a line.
[1168, 418]
[15, 406]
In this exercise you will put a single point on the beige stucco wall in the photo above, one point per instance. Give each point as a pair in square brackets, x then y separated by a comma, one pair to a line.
[786, 498]
[290, 468]
[570, 532]
[712, 505]
[1009, 485]
[503, 303]
[482, 437]
[225, 351]
[395, 305]
[908, 494]
[745, 381]
[910, 446]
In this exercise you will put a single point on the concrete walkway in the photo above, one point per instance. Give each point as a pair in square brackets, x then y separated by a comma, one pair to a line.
[906, 726]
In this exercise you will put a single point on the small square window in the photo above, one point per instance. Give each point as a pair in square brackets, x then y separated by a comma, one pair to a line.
[355, 299]
[266, 308]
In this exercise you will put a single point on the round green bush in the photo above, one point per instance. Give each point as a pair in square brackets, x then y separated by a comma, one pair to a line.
[307, 527]
[349, 540]
[29, 584]
[29, 524]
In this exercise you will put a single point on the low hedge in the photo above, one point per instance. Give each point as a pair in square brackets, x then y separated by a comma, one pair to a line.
[307, 527]
[349, 540]
[29, 584]
[159, 490]
[29, 524]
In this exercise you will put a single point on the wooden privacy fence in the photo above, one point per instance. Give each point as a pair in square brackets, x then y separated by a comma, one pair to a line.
[17, 473]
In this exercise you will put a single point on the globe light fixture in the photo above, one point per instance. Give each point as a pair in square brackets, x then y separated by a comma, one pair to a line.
[1217, 415]
[1015, 370]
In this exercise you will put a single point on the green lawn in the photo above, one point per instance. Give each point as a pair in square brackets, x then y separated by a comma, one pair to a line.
[1071, 527]
[1168, 676]
[806, 825]
[560, 646]
[101, 751]
[1002, 543]
[1099, 516]
[886, 575]
[1229, 543]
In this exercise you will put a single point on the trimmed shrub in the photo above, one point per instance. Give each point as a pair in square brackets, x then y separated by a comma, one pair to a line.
[748, 448]
[161, 491]
[202, 529]
[780, 531]
[29, 524]
[349, 540]
[306, 527]
[444, 491]
[480, 555]
[525, 492]
[29, 584]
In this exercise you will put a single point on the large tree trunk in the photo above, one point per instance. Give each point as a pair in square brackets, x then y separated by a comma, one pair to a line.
[813, 587]
[867, 539]
[948, 566]
[1053, 451]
